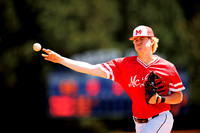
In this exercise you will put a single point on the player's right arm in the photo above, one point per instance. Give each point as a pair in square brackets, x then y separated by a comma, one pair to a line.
[78, 66]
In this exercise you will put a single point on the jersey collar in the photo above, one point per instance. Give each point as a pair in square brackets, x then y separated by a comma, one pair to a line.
[148, 65]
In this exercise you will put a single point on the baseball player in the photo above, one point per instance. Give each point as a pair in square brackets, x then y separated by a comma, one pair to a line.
[137, 74]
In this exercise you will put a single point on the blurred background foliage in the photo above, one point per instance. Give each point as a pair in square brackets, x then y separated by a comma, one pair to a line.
[75, 26]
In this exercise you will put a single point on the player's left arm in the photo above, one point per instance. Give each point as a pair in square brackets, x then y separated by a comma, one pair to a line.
[176, 86]
[174, 98]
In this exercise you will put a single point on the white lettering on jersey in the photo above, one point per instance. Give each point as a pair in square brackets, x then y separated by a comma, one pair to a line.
[134, 81]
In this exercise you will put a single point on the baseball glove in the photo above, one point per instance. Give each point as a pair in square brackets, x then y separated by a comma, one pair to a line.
[154, 87]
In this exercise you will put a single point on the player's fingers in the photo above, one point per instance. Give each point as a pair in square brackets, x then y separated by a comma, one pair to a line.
[47, 59]
[48, 51]
[44, 55]
[44, 50]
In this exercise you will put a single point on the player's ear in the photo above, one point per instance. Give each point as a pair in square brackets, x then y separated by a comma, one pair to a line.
[152, 41]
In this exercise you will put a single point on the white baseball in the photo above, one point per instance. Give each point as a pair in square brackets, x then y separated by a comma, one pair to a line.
[37, 47]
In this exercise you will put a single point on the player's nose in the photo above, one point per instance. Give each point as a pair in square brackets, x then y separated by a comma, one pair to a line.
[138, 42]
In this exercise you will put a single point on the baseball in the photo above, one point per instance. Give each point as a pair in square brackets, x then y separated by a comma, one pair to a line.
[37, 47]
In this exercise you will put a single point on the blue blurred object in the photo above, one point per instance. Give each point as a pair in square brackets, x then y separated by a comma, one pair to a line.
[73, 95]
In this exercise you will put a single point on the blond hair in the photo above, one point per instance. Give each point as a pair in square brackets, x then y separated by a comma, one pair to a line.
[155, 45]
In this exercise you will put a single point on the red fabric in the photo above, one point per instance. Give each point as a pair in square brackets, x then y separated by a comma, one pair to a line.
[131, 73]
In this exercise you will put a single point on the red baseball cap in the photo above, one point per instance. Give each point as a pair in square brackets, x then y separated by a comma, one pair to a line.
[142, 31]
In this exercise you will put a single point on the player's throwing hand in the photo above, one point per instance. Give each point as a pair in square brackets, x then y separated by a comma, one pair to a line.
[51, 56]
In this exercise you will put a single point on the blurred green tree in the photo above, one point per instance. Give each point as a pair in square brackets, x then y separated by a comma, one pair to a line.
[74, 26]
[192, 50]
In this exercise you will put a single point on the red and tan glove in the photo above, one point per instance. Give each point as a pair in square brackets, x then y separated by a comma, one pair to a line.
[154, 87]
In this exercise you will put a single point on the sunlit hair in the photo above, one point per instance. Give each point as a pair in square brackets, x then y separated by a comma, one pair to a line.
[155, 45]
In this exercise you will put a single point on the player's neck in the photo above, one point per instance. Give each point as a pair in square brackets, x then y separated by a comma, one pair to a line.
[147, 58]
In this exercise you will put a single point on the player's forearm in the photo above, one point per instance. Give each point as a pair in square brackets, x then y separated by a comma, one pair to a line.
[78, 66]
[174, 98]
[72, 64]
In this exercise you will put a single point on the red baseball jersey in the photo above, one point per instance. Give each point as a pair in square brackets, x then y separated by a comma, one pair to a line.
[131, 73]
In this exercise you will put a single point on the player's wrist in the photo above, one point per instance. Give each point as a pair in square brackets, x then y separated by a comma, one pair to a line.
[158, 100]
[162, 99]
[63, 60]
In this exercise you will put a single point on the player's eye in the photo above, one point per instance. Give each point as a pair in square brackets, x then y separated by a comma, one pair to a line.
[142, 38]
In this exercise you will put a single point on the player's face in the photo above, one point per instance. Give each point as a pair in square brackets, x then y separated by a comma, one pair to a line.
[142, 44]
